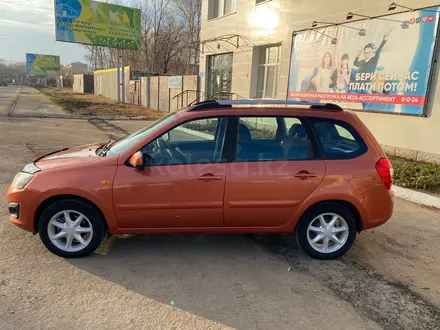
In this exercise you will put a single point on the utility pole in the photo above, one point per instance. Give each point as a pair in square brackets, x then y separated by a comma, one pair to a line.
[123, 76]
[118, 77]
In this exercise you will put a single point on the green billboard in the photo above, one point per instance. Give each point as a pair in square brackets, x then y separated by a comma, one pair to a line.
[97, 23]
[37, 65]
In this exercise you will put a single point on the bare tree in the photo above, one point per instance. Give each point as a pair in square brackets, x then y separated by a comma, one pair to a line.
[169, 39]
[172, 44]
[190, 12]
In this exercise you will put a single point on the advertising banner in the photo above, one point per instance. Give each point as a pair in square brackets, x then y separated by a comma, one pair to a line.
[37, 65]
[175, 82]
[379, 65]
[97, 23]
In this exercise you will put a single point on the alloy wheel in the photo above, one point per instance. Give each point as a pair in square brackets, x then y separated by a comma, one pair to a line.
[70, 230]
[327, 233]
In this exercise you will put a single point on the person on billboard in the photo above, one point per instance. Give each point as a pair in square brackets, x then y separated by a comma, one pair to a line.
[341, 76]
[369, 63]
[322, 80]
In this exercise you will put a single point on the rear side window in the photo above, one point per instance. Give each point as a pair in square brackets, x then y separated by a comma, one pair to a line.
[337, 139]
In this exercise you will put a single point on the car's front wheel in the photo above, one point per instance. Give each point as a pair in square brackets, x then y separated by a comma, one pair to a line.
[71, 228]
[326, 231]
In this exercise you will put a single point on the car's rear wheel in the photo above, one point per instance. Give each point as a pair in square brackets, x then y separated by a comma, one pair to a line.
[326, 231]
[71, 228]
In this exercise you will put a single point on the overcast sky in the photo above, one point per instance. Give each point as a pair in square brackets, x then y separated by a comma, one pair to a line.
[28, 26]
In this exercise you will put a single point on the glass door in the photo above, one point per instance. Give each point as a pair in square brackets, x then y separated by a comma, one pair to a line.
[219, 76]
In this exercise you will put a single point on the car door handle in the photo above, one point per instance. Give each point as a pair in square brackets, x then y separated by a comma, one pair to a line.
[209, 177]
[304, 175]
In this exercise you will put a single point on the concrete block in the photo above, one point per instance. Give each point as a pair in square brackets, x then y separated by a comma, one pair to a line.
[190, 82]
[175, 100]
[389, 150]
[154, 93]
[164, 101]
[144, 91]
[428, 157]
[406, 153]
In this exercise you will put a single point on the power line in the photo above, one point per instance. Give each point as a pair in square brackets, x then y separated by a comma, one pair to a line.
[28, 28]
[26, 40]
[37, 41]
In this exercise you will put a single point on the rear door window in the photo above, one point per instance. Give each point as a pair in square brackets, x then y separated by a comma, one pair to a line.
[338, 139]
[261, 127]
[272, 138]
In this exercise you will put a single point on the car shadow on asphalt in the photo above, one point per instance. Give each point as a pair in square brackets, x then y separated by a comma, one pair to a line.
[226, 278]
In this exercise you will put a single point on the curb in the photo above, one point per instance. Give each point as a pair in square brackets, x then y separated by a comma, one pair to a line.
[417, 197]
[61, 116]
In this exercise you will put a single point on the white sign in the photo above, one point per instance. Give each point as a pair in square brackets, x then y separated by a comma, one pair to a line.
[175, 82]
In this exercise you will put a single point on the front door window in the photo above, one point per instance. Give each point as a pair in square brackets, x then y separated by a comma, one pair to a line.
[198, 141]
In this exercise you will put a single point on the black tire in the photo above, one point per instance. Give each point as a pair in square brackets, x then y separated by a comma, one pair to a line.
[93, 215]
[310, 215]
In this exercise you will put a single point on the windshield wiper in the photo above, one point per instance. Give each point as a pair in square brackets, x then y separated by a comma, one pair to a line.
[105, 147]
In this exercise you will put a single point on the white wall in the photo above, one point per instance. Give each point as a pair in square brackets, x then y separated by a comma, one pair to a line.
[274, 21]
[105, 83]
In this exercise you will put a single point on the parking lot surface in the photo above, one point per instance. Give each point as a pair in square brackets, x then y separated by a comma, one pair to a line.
[389, 279]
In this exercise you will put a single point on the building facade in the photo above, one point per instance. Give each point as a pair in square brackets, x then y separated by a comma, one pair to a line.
[75, 68]
[246, 49]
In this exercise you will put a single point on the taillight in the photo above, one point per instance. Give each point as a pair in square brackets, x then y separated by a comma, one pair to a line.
[385, 170]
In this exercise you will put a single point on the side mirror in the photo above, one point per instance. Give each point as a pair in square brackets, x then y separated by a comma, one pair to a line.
[137, 161]
[166, 137]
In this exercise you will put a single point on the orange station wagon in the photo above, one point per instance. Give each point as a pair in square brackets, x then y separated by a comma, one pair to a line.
[216, 167]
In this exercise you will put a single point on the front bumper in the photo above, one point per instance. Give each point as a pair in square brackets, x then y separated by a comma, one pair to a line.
[14, 210]
[22, 207]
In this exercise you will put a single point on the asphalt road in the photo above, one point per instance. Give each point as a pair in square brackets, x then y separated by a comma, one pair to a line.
[7, 97]
[390, 278]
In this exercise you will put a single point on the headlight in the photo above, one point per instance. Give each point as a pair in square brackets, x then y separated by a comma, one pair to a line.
[21, 180]
[31, 168]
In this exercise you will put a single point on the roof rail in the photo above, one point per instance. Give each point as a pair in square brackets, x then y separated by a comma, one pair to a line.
[215, 104]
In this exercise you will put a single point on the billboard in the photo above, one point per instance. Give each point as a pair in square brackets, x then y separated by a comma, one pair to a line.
[37, 65]
[97, 23]
[379, 65]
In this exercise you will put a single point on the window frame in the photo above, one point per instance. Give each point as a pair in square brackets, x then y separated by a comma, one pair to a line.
[363, 147]
[223, 158]
[258, 2]
[212, 9]
[233, 144]
[265, 67]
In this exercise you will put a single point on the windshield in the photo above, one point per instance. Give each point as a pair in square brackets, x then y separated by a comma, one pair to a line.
[128, 141]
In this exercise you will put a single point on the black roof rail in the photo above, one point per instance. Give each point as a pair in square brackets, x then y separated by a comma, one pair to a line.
[218, 104]
[210, 104]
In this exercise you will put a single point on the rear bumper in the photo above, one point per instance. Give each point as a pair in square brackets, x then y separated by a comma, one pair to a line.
[22, 206]
[377, 207]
